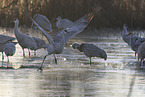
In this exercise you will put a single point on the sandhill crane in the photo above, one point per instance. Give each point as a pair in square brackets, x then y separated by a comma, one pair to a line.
[132, 40]
[141, 53]
[24, 40]
[57, 44]
[90, 50]
[63, 23]
[43, 22]
[4, 39]
[9, 49]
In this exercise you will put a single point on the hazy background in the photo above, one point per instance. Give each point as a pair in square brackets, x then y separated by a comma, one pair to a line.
[108, 13]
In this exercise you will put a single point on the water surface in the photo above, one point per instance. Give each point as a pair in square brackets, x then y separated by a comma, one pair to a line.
[118, 76]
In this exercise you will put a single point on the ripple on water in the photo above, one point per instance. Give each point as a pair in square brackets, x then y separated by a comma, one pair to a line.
[73, 76]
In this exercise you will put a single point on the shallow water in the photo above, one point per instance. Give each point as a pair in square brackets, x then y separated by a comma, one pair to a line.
[73, 76]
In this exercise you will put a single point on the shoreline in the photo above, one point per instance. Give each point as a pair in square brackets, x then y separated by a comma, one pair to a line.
[87, 33]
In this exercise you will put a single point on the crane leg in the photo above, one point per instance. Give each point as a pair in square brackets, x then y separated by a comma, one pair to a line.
[141, 62]
[23, 52]
[29, 53]
[55, 59]
[35, 53]
[90, 61]
[7, 61]
[40, 68]
[2, 58]
[2, 63]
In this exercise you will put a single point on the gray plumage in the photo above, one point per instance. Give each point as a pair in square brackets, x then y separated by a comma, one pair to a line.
[9, 49]
[141, 52]
[132, 40]
[63, 23]
[24, 40]
[4, 40]
[40, 44]
[43, 22]
[125, 35]
[135, 42]
[90, 50]
[57, 44]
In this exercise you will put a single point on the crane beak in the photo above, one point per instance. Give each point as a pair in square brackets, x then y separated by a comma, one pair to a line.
[14, 20]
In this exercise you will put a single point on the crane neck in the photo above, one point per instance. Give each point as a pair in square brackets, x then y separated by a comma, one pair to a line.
[16, 30]
[124, 31]
[16, 27]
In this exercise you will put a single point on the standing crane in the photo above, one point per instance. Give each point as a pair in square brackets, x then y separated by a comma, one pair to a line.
[9, 49]
[24, 40]
[90, 50]
[4, 40]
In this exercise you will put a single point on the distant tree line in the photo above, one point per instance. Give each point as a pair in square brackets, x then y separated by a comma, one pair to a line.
[108, 13]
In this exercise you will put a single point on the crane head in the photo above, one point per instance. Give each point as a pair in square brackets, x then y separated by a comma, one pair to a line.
[15, 20]
[59, 18]
[75, 45]
[125, 25]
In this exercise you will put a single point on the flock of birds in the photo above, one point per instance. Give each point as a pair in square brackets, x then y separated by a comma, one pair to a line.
[68, 29]
[136, 43]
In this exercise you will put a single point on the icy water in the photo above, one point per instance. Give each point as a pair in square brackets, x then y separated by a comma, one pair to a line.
[73, 76]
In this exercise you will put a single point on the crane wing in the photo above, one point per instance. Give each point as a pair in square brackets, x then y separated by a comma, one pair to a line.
[78, 26]
[5, 38]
